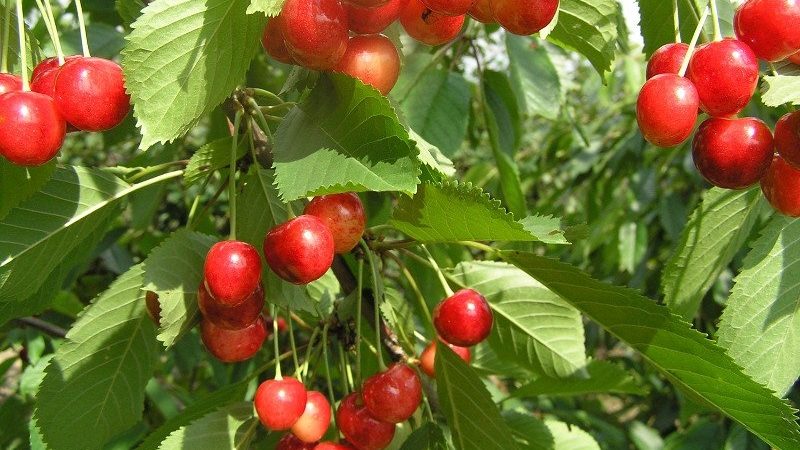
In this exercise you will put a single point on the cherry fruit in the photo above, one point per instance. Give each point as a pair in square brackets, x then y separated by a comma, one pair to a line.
[427, 359]
[272, 40]
[344, 216]
[769, 27]
[781, 186]
[427, 26]
[230, 317]
[373, 59]
[153, 307]
[10, 83]
[787, 138]
[524, 17]
[291, 442]
[449, 7]
[344, 445]
[732, 153]
[372, 20]
[315, 32]
[463, 319]
[359, 427]
[725, 74]
[43, 78]
[367, 3]
[481, 11]
[316, 418]
[667, 59]
[393, 396]
[300, 250]
[90, 93]
[31, 128]
[666, 109]
[279, 403]
[233, 345]
[232, 271]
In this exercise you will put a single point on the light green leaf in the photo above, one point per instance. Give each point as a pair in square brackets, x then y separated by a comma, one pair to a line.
[18, 183]
[781, 89]
[590, 28]
[570, 437]
[761, 323]
[228, 428]
[427, 437]
[183, 58]
[270, 8]
[603, 377]
[692, 362]
[344, 137]
[212, 156]
[534, 77]
[529, 431]
[431, 156]
[93, 388]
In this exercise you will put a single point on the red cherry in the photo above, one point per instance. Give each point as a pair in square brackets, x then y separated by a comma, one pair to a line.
[666, 109]
[272, 40]
[463, 319]
[667, 59]
[10, 83]
[344, 216]
[449, 7]
[232, 271]
[279, 403]
[725, 74]
[315, 32]
[90, 94]
[427, 26]
[316, 418]
[334, 446]
[769, 27]
[372, 20]
[359, 427]
[781, 186]
[233, 345]
[787, 138]
[43, 79]
[795, 59]
[373, 59]
[524, 17]
[481, 11]
[393, 396]
[367, 3]
[732, 153]
[230, 317]
[427, 359]
[291, 442]
[300, 250]
[31, 128]
[153, 307]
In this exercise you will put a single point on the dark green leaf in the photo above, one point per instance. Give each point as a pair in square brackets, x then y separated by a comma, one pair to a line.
[603, 377]
[534, 77]
[590, 28]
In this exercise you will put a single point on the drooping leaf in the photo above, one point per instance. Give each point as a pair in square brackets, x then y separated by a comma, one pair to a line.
[431, 156]
[229, 428]
[534, 77]
[529, 431]
[570, 437]
[427, 437]
[658, 28]
[603, 377]
[17, 183]
[93, 388]
[692, 362]
[183, 58]
[344, 137]
[270, 8]
[590, 28]
[212, 156]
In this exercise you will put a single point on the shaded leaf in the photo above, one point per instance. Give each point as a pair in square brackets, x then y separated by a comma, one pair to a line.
[229, 428]
[603, 377]
[590, 28]
[529, 431]
[213, 156]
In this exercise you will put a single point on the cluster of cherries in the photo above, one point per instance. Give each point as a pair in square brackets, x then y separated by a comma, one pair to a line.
[721, 78]
[316, 33]
[83, 93]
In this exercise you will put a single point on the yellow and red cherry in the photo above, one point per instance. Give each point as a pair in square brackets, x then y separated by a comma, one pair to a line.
[233, 345]
[316, 418]
[279, 403]
[374, 19]
[233, 317]
[524, 17]
[315, 32]
[427, 26]
[427, 360]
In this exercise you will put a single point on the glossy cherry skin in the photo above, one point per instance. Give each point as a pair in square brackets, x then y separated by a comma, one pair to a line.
[769, 27]
[232, 271]
[463, 319]
[9, 83]
[153, 307]
[781, 186]
[733, 153]
[315, 32]
[372, 20]
[725, 74]
[787, 138]
[316, 418]
[343, 214]
[667, 59]
[43, 78]
[90, 94]
[366, 3]
[300, 250]
[279, 403]
[427, 26]
[334, 446]
[393, 396]
[427, 360]
[374, 60]
[230, 317]
[362, 430]
[481, 11]
[524, 17]
[291, 442]
[273, 42]
[233, 345]
[449, 7]
[666, 109]
[31, 128]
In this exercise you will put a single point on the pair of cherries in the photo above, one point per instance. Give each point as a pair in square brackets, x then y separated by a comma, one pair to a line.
[781, 184]
[284, 404]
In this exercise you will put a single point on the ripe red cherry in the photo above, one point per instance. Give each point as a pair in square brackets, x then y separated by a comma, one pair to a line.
[359, 427]
[787, 138]
[373, 59]
[233, 345]
[393, 396]
[427, 360]
[230, 317]
[316, 418]
[315, 32]
[481, 11]
[43, 78]
[300, 250]
[667, 59]
[449, 7]
[666, 109]
[31, 128]
[90, 94]
[344, 216]
[232, 271]
[279, 403]
[732, 153]
[334, 446]
[272, 40]
[153, 307]
[464, 319]
[291, 442]
[10, 83]
[769, 27]
[781, 186]
[427, 26]
[367, 3]
[725, 74]
[524, 17]
[372, 20]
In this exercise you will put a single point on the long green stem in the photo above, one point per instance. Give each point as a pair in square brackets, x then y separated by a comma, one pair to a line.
[307, 357]
[56, 37]
[23, 57]
[347, 374]
[232, 179]
[154, 169]
[715, 19]
[82, 26]
[278, 374]
[447, 290]
[331, 397]
[693, 43]
[292, 341]
[359, 301]
[412, 283]
[266, 94]
[260, 118]
[6, 33]
[377, 291]
[676, 20]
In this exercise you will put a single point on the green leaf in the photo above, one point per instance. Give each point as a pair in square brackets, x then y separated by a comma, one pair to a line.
[532, 325]
[761, 323]
[570, 437]
[431, 156]
[344, 137]
[702, 435]
[33, 49]
[129, 10]
[269, 7]
[658, 28]
[716, 231]
[105, 41]
[54, 221]
[529, 431]
[174, 271]
[436, 212]
[183, 58]
[474, 420]
[210, 157]
[603, 377]
[534, 77]
[93, 388]
[590, 28]
[427, 437]
[228, 428]
[19, 183]
[781, 89]
[693, 363]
